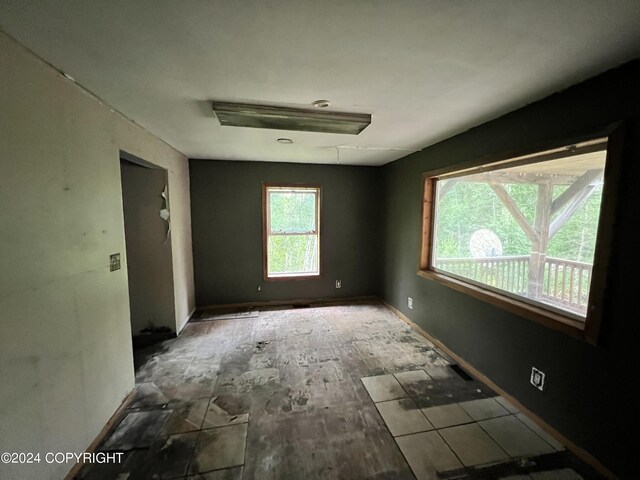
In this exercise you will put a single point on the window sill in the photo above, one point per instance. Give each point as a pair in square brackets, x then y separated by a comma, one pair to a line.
[298, 276]
[537, 314]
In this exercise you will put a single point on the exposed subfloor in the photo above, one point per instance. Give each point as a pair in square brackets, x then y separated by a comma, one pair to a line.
[326, 392]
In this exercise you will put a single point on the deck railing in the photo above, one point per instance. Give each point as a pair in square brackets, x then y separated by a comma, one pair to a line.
[565, 284]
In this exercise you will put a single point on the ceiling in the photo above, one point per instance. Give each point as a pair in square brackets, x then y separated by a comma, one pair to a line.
[425, 70]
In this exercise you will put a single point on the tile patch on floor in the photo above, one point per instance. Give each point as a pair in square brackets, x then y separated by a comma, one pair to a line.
[217, 416]
[148, 395]
[472, 445]
[541, 433]
[484, 409]
[415, 382]
[171, 459]
[447, 415]
[506, 404]
[473, 439]
[383, 387]
[219, 448]
[185, 416]
[205, 438]
[403, 417]
[428, 455]
[447, 385]
[515, 437]
[137, 430]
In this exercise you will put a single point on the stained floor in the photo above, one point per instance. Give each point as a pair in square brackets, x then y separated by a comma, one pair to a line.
[324, 392]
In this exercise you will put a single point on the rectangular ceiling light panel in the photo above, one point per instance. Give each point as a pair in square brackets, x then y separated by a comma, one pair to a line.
[286, 118]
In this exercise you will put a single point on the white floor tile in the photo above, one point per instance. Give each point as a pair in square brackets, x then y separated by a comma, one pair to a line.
[383, 387]
[506, 404]
[540, 432]
[412, 376]
[515, 437]
[484, 409]
[403, 417]
[447, 415]
[472, 445]
[427, 454]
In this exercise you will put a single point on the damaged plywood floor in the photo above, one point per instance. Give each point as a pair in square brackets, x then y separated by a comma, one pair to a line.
[335, 392]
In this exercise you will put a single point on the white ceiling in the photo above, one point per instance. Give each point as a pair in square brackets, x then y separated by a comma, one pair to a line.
[425, 70]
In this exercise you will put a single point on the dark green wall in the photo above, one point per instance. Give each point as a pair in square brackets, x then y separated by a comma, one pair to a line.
[226, 210]
[588, 395]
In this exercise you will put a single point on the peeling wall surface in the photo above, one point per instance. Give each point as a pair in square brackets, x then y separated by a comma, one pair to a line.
[226, 202]
[148, 248]
[65, 351]
[587, 397]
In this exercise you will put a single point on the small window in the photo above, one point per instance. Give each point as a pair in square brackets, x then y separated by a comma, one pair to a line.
[291, 231]
[520, 233]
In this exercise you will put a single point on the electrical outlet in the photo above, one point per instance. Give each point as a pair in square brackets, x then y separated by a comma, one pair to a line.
[338, 283]
[259, 288]
[537, 378]
[410, 302]
[114, 262]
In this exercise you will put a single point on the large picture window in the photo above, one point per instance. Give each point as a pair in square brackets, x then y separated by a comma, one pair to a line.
[522, 233]
[291, 231]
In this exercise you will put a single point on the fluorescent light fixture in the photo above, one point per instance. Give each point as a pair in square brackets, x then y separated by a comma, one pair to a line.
[286, 118]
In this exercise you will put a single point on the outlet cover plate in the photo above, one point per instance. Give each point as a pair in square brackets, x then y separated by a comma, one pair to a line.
[410, 302]
[537, 378]
[114, 262]
[338, 283]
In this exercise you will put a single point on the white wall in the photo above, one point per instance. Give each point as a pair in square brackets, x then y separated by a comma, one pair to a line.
[65, 346]
[140, 143]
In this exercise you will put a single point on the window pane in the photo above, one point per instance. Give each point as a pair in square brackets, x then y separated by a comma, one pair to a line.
[292, 254]
[528, 230]
[292, 211]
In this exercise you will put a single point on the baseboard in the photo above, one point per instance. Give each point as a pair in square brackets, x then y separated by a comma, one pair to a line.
[276, 303]
[115, 418]
[578, 451]
[186, 320]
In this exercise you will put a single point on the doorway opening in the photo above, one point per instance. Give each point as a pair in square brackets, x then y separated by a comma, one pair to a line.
[148, 253]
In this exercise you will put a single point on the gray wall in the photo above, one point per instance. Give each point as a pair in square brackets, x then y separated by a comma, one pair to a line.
[149, 266]
[588, 394]
[226, 207]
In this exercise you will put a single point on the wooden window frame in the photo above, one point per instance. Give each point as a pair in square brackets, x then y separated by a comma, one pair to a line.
[266, 230]
[588, 330]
